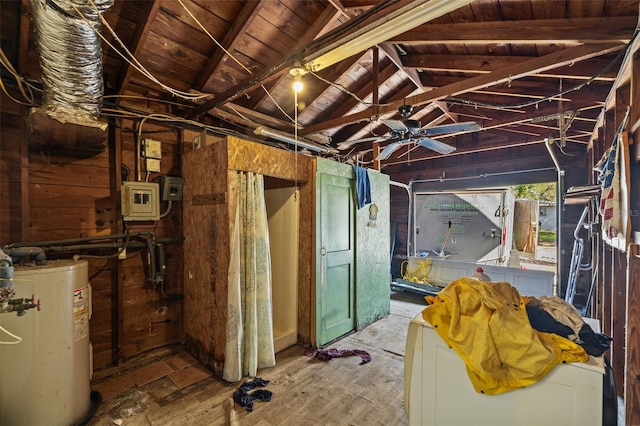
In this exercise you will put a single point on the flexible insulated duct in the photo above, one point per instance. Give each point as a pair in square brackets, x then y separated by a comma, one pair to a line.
[71, 62]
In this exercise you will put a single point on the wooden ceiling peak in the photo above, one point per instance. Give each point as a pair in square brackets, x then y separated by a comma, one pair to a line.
[488, 61]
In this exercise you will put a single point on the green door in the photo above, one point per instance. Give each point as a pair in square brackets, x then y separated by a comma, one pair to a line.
[335, 277]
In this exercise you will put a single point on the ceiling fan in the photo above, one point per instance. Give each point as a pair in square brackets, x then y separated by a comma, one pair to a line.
[411, 131]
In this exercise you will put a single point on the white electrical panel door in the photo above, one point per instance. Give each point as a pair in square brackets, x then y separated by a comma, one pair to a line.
[140, 201]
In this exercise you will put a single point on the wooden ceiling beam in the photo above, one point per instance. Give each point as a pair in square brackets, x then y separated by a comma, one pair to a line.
[388, 70]
[411, 74]
[495, 100]
[319, 26]
[530, 117]
[478, 64]
[363, 129]
[25, 30]
[392, 54]
[476, 167]
[145, 20]
[239, 114]
[530, 88]
[560, 31]
[507, 74]
[273, 73]
[483, 146]
[241, 24]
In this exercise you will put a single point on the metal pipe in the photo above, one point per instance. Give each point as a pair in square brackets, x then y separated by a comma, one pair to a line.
[70, 56]
[80, 240]
[484, 175]
[559, 208]
[408, 189]
[283, 137]
[17, 254]
[131, 244]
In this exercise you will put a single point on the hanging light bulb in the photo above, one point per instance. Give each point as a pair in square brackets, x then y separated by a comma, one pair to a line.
[297, 72]
[297, 84]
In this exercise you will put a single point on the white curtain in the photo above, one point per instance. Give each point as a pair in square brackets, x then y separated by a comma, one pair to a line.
[249, 345]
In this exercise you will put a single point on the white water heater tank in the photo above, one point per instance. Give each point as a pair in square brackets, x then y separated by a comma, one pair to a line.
[45, 378]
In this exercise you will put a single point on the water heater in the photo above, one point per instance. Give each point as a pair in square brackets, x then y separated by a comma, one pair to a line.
[46, 376]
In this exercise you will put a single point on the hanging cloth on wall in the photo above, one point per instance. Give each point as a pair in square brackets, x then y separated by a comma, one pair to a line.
[614, 177]
[249, 344]
[363, 186]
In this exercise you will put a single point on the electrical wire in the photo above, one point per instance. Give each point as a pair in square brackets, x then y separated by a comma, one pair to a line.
[236, 60]
[472, 103]
[121, 249]
[346, 91]
[133, 61]
[127, 113]
[146, 98]
[213, 38]
[4, 89]
[19, 79]
[15, 342]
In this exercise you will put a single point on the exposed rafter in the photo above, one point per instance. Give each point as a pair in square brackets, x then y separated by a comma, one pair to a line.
[557, 31]
[514, 72]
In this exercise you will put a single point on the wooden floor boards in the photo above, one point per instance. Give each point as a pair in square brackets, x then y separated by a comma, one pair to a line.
[305, 391]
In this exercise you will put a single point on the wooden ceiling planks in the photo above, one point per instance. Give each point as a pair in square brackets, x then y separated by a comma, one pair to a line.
[492, 51]
[514, 72]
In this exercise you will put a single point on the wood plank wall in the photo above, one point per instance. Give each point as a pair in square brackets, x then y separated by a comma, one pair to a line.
[148, 320]
[632, 373]
[618, 280]
[49, 196]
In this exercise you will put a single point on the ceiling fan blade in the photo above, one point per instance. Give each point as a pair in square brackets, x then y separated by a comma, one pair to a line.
[435, 145]
[388, 150]
[348, 144]
[396, 125]
[469, 126]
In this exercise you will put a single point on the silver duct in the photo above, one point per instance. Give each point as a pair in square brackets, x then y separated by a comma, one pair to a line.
[71, 58]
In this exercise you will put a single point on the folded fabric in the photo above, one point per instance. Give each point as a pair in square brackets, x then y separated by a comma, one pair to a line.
[554, 315]
[486, 324]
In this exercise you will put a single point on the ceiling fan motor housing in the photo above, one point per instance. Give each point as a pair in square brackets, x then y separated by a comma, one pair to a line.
[405, 110]
[412, 125]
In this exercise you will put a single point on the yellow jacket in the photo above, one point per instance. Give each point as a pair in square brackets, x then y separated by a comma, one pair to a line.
[486, 323]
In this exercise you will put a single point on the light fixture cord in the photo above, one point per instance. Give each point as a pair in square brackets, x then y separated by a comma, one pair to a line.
[295, 137]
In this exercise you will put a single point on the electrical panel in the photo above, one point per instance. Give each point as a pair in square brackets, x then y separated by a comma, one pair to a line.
[171, 188]
[152, 149]
[140, 201]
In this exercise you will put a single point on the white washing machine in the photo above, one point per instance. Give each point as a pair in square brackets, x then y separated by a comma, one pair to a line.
[438, 391]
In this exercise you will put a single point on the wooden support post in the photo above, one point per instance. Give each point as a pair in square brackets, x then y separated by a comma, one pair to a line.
[376, 152]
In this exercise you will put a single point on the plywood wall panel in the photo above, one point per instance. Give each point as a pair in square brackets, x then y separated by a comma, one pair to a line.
[306, 256]
[205, 223]
[268, 161]
[209, 173]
